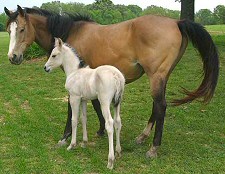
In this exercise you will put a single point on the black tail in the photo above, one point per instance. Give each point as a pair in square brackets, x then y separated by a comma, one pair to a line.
[203, 42]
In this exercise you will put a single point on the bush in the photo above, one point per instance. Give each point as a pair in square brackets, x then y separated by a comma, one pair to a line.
[2, 27]
[34, 51]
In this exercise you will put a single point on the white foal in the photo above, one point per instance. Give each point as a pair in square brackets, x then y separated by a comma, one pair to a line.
[105, 83]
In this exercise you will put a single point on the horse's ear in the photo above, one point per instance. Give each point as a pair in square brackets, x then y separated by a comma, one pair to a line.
[7, 12]
[20, 10]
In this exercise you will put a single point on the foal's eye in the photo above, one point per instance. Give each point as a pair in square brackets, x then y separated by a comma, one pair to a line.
[22, 30]
[53, 56]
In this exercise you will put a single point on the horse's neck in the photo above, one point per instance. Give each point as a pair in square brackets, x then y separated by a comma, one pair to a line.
[42, 36]
[70, 63]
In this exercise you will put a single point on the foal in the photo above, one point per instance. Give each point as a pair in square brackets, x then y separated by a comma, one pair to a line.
[105, 83]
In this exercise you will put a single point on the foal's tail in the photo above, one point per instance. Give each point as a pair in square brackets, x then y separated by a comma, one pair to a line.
[120, 83]
[203, 42]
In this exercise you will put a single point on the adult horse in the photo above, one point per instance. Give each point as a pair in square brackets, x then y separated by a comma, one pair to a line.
[148, 44]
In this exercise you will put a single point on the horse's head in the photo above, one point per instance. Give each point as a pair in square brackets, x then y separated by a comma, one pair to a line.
[56, 58]
[21, 33]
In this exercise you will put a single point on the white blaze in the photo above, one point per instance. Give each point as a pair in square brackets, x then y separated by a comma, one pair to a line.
[12, 42]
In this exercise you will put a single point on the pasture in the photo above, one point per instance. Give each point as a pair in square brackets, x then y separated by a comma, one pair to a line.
[33, 111]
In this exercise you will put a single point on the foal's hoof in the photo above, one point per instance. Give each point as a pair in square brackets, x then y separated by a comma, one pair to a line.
[61, 143]
[71, 147]
[141, 138]
[110, 164]
[83, 144]
[152, 153]
[118, 154]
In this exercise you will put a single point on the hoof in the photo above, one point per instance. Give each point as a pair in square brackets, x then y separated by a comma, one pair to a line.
[61, 143]
[83, 144]
[141, 138]
[110, 164]
[100, 133]
[152, 153]
[118, 154]
[71, 147]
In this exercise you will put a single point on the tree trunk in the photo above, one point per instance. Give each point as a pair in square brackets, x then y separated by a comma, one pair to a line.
[187, 9]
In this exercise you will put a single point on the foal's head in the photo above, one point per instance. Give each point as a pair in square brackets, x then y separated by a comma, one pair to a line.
[63, 54]
[21, 34]
[56, 58]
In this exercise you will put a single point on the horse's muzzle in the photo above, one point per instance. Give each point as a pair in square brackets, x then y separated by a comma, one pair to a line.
[16, 60]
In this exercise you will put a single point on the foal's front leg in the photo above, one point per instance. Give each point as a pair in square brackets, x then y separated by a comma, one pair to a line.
[75, 103]
[84, 122]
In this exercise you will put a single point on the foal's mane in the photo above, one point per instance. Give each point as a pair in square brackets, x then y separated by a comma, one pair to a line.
[82, 63]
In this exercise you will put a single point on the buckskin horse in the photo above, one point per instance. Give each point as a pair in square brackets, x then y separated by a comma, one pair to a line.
[147, 44]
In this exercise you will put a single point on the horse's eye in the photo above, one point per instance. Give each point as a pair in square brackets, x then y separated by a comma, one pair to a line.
[53, 56]
[22, 30]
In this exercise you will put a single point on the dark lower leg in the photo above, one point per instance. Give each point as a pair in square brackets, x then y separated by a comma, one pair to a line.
[145, 134]
[98, 110]
[160, 115]
[68, 129]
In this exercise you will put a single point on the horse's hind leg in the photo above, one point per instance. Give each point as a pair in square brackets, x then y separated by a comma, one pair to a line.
[117, 125]
[145, 134]
[158, 87]
[98, 110]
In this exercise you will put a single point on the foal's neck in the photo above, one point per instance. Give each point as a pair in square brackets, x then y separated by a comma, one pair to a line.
[70, 62]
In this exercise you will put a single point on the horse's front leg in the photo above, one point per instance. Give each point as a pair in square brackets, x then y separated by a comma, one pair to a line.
[68, 129]
[75, 103]
[98, 110]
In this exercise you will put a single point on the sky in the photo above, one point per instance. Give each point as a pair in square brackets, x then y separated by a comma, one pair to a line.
[170, 4]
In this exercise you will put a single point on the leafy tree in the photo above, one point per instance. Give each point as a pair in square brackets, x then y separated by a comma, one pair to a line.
[2, 27]
[3, 19]
[155, 10]
[205, 17]
[219, 13]
[136, 10]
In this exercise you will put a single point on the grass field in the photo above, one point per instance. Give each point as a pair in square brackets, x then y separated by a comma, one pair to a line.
[33, 112]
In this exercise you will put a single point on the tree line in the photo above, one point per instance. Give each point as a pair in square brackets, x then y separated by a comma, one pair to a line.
[105, 12]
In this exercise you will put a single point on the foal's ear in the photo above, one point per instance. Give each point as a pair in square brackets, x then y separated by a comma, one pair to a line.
[7, 12]
[58, 42]
[20, 10]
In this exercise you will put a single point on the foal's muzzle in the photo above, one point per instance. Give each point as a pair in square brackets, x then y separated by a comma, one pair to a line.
[47, 70]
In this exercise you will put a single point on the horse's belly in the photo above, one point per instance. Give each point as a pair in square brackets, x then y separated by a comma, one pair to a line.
[131, 71]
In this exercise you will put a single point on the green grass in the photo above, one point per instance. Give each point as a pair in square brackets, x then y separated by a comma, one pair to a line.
[33, 114]
[216, 29]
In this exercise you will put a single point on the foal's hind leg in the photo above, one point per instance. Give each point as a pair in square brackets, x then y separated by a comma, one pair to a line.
[117, 125]
[109, 128]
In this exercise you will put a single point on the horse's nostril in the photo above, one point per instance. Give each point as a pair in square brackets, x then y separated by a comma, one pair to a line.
[45, 68]
[14, 58]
